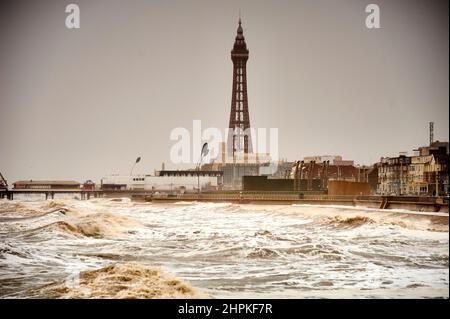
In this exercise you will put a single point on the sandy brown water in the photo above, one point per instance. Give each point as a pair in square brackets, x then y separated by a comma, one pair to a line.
[105, 248]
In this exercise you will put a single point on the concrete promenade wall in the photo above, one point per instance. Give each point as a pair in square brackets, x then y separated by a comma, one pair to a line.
[426, 204]
[348, 188]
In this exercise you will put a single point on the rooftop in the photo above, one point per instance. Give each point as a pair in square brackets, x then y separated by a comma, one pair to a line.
[31, 182]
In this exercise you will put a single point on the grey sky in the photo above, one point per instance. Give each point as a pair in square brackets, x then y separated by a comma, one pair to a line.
[79, 104]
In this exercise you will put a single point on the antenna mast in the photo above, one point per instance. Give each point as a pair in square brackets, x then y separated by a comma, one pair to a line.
[431, 132]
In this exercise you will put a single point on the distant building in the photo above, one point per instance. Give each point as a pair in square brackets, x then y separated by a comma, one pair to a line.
[224, 157]
[334, 172]
[332, 159]
[435, 148]
[343, 163]
[165, 180]
[238, 165]
[322, 158]
[89, 185]
[283, 170]
[262, 183]
[66, 185]
[372, 177]
[393, 175]
[184, 181]
[423, 175]
[234, 172]
[310, 174]
[123, 182]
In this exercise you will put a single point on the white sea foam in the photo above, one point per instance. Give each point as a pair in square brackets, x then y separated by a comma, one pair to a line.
[224, 249]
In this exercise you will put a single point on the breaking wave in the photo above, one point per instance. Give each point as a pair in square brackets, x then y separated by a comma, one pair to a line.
[96, 225]
[8, 249]
[63, 217]
[10, 206]
[221, 248]
[343, 216]
[9, 209]
[120, 281]
[350, 221]
[262, 253]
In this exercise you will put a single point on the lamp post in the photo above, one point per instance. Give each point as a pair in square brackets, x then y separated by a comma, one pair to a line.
[203, 153]
[401, 177]
[437, 184]
[137, 161]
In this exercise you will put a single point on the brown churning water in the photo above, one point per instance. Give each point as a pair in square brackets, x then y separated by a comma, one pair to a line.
[106, 248]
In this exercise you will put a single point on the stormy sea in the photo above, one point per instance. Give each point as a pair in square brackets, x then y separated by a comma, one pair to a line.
[117, 248]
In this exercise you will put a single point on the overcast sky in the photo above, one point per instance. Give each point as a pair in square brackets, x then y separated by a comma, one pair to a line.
[81, 104]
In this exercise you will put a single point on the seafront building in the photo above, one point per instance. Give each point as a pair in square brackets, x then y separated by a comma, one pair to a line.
[175, 181]
[424, 174]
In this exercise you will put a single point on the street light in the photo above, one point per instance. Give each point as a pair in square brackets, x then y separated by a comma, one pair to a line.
[203, 153]
[137, 161]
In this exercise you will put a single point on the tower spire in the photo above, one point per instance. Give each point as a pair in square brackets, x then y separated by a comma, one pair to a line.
[239, 138]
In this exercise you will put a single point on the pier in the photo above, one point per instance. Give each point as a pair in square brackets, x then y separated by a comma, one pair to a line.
[50, 193]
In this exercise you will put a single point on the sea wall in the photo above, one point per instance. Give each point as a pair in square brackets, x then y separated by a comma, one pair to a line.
[348, 188]
[426, 204]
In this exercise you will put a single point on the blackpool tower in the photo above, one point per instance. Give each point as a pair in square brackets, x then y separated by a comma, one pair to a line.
[239, 137]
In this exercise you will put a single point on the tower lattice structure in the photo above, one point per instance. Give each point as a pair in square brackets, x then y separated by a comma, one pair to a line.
[239, 137]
